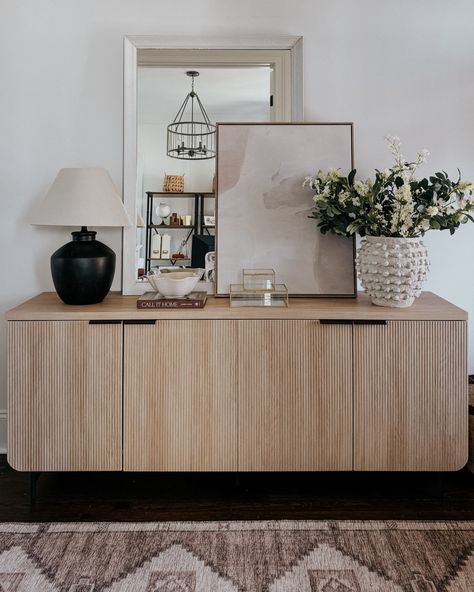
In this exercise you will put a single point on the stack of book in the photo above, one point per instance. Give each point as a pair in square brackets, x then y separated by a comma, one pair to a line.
[156, 300]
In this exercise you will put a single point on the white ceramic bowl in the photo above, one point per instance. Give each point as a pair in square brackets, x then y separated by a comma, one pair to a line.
[175, 284]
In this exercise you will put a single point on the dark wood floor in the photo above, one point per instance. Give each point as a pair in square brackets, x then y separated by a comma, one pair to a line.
[198, 496]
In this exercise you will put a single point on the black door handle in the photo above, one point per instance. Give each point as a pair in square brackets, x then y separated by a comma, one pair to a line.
[335, 322]
[352, 322]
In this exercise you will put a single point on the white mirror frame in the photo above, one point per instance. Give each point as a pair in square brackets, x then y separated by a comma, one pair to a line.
[132, 44]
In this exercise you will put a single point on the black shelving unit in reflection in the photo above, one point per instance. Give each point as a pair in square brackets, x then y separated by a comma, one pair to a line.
[198, 226]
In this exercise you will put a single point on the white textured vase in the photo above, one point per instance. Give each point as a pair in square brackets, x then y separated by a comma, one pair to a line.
[392, 270]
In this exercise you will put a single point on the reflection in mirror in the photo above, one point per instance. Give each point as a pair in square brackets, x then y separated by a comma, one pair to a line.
[175, 221]
[251, 79]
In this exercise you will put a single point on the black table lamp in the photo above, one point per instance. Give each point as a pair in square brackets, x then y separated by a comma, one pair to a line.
[84, 268]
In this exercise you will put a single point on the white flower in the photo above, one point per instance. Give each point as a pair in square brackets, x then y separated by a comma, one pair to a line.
[395, 146]
[401, 220]
[326, 192]
[432, 210]
[423, 155]
[465, 186]
[425, 224]
[343, 197]
[363, 187]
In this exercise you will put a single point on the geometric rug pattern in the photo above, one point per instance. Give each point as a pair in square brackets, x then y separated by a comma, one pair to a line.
[264, 556]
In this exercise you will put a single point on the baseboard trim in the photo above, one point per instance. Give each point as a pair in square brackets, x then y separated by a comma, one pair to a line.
[3, 431]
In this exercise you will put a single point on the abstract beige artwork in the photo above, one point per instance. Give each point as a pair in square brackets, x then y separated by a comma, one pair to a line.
[263, 210]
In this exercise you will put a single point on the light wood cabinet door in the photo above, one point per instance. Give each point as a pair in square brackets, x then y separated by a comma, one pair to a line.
[64, 396]
[180, 396]
[295, 396]
[410, 396]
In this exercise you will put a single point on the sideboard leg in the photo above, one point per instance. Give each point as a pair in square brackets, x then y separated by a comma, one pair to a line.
[34, 476]
[438, 486]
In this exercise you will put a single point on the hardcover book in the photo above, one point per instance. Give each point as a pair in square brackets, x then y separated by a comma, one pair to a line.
[156, 300]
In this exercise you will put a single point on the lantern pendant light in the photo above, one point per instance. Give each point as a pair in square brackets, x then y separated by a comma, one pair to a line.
[191, 136]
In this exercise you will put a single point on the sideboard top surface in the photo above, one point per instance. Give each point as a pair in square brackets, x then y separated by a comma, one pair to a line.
[48, 307]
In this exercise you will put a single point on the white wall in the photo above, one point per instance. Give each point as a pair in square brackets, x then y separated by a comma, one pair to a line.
[400, 67]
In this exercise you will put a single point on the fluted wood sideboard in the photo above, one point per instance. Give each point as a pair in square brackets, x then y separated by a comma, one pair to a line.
[324, 385]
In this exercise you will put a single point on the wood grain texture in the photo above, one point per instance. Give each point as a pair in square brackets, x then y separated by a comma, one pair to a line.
[64, 396]
[48, 306]
[295, 396]
[180, 396]
[410, 396]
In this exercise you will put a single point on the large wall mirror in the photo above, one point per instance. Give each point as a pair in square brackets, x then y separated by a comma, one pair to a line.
[242, 80]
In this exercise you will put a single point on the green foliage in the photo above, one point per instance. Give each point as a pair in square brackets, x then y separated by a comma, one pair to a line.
[394, 203]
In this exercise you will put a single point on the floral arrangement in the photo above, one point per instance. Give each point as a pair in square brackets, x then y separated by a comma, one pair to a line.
[394, 204]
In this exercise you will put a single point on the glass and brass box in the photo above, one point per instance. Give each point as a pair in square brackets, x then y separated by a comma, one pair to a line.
[277, 296]
[258, 279]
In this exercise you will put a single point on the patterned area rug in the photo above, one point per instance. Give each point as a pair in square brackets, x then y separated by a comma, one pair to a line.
[237, 557]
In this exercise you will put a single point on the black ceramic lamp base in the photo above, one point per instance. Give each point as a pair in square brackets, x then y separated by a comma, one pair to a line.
[83, 270]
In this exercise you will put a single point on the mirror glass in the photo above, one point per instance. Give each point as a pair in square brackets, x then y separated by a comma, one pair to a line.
[171, 226]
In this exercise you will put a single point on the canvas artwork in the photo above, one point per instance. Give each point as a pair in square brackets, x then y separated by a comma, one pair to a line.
[262, 214]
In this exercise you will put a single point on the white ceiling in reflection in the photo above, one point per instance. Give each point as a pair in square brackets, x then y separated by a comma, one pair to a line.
[228, 94]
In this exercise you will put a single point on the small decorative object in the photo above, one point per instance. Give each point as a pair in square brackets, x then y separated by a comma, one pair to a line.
[210, 264]
[173, 183]
[182, 247]
[392, 213]
[209, 220]
[277, 297]
[262, 208]
[175, 285]
[156, 246]
[165, 246]
[258, 279]
[188, 220]
[82, 270]
[174, 220]
[163, 211]
[157, 300]
[191, 136]
[258, 288]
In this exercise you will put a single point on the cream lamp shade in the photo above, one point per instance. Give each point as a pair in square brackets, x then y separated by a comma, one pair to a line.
[81, 197]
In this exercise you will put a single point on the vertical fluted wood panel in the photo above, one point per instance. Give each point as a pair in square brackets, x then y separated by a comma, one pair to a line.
[180, 396]
[410, 389]
[64, 396]
[295, 396]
